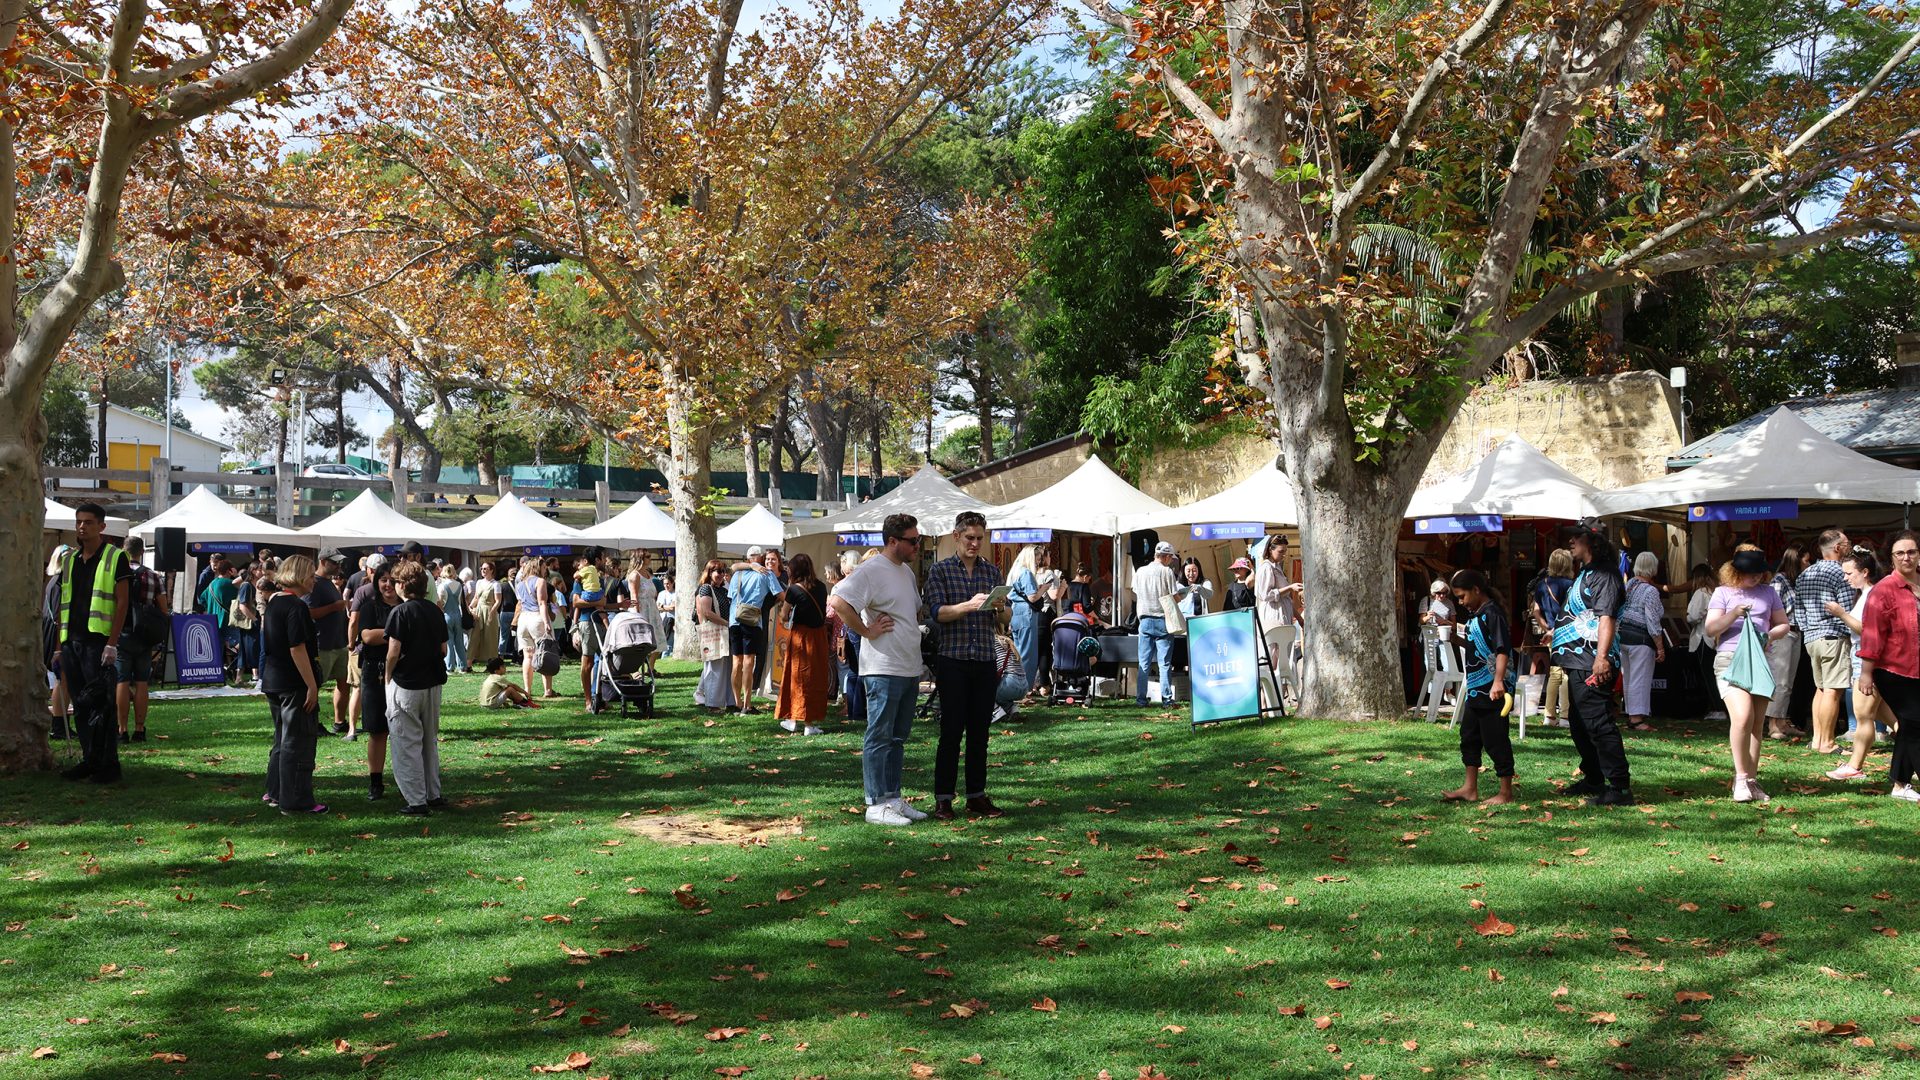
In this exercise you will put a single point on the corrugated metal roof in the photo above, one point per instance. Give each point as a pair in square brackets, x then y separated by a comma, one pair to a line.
[1878, 423]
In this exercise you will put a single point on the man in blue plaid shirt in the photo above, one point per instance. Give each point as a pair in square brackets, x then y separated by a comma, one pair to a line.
[1828, 644]
[956, 594]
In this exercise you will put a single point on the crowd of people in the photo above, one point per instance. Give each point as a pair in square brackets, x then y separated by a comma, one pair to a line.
[866, 630]
[1599, 626]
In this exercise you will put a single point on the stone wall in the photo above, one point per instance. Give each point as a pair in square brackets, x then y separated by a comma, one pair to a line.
[1610, 431]
[997, 486]
[1179, 477]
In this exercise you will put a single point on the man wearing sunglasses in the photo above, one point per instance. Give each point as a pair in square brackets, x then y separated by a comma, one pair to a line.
[880, 602]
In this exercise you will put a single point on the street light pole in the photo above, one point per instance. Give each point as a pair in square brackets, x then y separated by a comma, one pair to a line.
[167, 446]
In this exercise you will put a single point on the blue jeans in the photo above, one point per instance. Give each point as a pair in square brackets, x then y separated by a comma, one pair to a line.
[1155, 645]
[456, 642]
[890, 703]
[1026, 639]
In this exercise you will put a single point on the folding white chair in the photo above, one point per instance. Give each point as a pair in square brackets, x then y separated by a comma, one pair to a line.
[1445, 672]
[1286, 673]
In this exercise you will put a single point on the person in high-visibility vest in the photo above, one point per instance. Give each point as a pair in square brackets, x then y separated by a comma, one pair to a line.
[93, 611]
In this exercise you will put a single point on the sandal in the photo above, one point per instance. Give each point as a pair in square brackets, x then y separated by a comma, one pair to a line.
[1845, 772]
[1640, 727]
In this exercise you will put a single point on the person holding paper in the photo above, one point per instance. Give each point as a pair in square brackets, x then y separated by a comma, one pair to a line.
[960, 598]
[1745, 596]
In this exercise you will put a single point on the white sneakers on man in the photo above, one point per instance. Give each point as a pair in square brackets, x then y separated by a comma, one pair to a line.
[900, 807]
[1906, 793]
[885, 814]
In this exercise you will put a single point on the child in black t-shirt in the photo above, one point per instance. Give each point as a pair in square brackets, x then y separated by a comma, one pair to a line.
[1489, 690]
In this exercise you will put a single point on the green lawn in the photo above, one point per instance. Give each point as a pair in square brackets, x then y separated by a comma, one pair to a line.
[1253, 900]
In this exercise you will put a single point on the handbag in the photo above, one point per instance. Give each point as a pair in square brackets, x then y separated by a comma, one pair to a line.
[546, 657]
[713, 642]
[1176, 619]
[748, 614]
[1749, 670]
[235, 618]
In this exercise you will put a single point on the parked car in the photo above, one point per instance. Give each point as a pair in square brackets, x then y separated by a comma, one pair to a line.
[353, 472]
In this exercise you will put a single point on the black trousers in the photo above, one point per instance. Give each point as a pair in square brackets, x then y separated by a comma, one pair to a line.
[1603, 755]
[296, 734]
[90, 686]
[1482, 726]
[1903, 697]
[966, 710]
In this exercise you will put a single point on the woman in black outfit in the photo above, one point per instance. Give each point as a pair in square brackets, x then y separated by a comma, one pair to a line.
[287, 649]
[373, 607]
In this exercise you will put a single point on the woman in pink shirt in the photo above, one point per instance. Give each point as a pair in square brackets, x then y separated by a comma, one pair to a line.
[1890, 657]
[1744, 594]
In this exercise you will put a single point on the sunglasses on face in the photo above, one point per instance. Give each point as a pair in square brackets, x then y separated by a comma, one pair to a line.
[914, 539]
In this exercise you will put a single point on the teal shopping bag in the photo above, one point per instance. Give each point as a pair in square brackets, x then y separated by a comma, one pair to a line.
[1750, 670]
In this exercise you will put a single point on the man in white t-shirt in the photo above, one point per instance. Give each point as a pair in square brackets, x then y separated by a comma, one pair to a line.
[880, 601]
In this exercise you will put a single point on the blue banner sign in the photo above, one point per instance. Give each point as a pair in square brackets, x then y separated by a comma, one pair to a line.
[1223, 650]
[1231, 530]
[858, 539]
[1761, 510]
[199, 651]
[224, 547]
[1460, 523]
[1023, 536]
[550, 549]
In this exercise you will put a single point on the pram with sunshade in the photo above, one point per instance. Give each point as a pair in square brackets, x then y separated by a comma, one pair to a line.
[1073, 651]
[623, 671]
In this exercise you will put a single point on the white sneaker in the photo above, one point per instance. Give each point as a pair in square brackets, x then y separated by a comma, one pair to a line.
[901, 807]
[1758, 795]
[1905, 792]
[885, 814]
[1717, 714]
[999, 713]
[789, 725]
[1742, 791]
[811, 730]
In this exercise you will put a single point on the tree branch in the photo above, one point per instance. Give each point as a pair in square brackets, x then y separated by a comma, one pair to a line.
[1776, 162]
[1389, 156]
[1717, 253]
[219, 91]
[1217, 127]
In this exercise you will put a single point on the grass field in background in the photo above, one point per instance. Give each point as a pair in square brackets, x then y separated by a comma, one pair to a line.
[1285, 898]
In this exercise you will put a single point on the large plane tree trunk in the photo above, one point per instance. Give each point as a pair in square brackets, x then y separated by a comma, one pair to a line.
[689, 469]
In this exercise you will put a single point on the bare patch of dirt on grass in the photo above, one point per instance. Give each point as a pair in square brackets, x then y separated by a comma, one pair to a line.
[687, 829]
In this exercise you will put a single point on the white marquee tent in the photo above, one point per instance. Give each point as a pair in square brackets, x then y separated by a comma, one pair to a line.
[926, 495]
[507, 524]
[1513, 480]
[758, 527]
[60, 519]
[368, 521]
[1092, 499]
[1783, 458]
[1266, 497]
[642, 525]
[208, 518]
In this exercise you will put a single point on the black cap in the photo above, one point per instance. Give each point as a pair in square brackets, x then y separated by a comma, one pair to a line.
[412, 547]
[1749, 562]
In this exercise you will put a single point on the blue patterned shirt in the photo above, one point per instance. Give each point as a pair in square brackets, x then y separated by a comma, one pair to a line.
[970, 637]
[1817, 584]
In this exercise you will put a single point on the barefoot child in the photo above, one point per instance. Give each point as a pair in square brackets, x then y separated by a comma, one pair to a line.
[1489, 688]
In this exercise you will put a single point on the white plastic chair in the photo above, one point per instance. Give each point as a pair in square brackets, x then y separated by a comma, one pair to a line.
[1521, 691]
[1445, 673]
[1286, 673]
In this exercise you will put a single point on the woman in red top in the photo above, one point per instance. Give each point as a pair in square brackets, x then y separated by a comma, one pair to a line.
[1890, 657]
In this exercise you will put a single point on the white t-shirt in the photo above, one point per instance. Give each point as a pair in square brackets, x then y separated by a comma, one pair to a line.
[878, 587]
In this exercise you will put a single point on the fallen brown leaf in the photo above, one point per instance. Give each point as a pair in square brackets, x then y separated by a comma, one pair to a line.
[576, 1060]
[1688, 997]
[722, 1034]
[1045, 1004]
[1493, 926]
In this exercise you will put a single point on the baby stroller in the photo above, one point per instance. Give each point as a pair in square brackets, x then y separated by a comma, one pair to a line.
[623, 671]
[1073, 651]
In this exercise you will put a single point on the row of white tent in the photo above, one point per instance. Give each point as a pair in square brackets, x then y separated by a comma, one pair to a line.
[1784, 458]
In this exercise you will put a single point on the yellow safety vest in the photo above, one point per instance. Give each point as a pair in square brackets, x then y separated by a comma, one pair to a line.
[100, 614]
